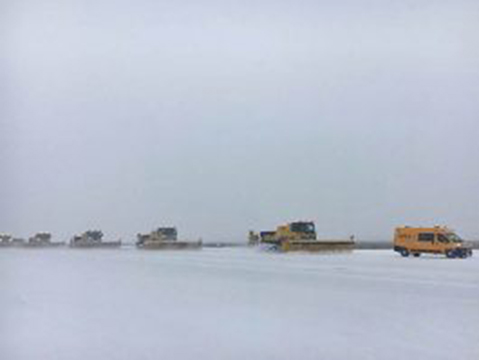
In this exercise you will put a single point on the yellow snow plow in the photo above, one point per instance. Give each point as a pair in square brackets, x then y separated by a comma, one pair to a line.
[297, 236]
[164, 238]
[43, 239]
[92, 239]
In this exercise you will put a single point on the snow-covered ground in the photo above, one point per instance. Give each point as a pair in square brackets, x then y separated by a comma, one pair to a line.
[235, 304]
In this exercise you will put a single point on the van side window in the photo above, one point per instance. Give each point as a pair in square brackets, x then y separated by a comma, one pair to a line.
[442, 238]
[426, 237]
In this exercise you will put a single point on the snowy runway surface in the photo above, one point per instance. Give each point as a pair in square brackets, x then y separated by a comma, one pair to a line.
[61, 304]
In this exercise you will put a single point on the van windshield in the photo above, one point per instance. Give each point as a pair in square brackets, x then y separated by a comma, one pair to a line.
[454, 238]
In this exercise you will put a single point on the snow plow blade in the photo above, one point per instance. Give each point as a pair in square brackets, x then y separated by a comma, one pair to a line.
[170, 245]
[98, 245]
[317, 246]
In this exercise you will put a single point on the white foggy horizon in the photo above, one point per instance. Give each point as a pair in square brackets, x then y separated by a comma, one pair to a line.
[221, 117]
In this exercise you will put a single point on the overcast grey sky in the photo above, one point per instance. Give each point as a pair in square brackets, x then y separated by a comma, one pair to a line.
[223, 116]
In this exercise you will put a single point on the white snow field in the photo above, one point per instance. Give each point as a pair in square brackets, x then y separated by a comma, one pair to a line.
[61, 304]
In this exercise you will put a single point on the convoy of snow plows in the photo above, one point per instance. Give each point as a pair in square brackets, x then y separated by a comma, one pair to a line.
[299, 236]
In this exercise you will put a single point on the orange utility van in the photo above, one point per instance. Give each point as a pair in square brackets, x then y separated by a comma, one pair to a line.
[435, 240]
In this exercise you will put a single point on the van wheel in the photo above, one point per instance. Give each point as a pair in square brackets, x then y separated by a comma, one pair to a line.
[450, 254]
[404, 252]
[417, 254]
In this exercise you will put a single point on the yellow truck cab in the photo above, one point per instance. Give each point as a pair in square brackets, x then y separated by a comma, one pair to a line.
[434, 240]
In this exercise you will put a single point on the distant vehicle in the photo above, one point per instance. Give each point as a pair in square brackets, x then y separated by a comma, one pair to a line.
[43, 239]
[434, 240]
[5, 240]
[92, 239]
[253, 238]
[164, 238]
[298, 236]
[9, 241]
